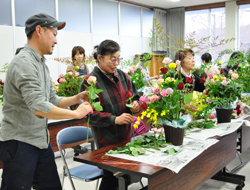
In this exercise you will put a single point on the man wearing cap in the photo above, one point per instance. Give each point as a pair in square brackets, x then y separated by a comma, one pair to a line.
[29, 99]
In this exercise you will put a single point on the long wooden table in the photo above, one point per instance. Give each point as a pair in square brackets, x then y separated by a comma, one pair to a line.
[192, 176]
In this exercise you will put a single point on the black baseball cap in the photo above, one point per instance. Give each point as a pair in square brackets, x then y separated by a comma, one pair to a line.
[42, 19]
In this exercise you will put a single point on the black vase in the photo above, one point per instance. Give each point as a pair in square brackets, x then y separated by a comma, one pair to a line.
[224, 115]
[74, 107]
[174, 135]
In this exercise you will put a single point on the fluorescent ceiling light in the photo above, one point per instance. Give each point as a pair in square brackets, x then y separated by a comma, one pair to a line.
[174, 0]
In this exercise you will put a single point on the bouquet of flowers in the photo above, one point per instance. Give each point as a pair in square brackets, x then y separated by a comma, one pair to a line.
[138, 76]
[165, 105]
[222, 92]
[68, 84]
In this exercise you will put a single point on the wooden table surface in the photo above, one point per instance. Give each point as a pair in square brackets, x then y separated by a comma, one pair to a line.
[192, 176]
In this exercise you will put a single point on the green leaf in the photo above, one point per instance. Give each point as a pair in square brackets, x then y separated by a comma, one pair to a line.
[97, 106]
[208, 125]
[112, 152]
[129, 105]
[170, 151]
[188, 98]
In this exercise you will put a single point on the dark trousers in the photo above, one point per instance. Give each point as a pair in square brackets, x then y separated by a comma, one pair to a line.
[25, 165]
[109, 181]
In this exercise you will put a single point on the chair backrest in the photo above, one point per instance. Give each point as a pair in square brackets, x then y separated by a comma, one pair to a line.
[72, 135]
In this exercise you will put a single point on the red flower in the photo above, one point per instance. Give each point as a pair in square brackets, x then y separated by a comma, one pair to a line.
[164, 70]
[180, 86]
[129, 94]
[203, 80]
[222, 71]
[1, 82]
[144, 105]
[189, 80]
[70, 71]
[58, 80]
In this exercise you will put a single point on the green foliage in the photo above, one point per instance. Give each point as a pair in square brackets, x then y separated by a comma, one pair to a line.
[137, 147]
[4, 68]
[201, 124]
[170, 151]
[137, 76]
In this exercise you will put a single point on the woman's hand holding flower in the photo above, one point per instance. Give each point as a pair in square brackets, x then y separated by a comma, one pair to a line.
[83, 109]
[136, 107]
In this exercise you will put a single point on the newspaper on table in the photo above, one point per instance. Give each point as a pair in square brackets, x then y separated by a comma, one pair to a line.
[221, 129]
[186, 153]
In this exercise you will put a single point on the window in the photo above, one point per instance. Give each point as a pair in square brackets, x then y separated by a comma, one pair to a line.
[147, 25]
[130, 20]
[205, 29]
[76, 14]
[244, 27]
[105, 17]
[26, 8]
[5, 13]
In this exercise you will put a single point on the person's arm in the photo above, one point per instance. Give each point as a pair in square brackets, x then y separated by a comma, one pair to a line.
[59, 113]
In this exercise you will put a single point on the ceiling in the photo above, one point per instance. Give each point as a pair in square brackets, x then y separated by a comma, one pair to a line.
[167, 4]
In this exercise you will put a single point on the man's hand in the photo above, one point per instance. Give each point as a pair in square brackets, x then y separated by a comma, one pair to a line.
[125, 118]
[83, 95]
[83, 109]
[136, 107]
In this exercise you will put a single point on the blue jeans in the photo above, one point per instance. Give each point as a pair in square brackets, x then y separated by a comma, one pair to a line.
[25, 165]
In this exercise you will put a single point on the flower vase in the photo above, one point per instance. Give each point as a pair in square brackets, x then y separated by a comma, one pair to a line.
[224, 115]
[74, 107]
[174, 135]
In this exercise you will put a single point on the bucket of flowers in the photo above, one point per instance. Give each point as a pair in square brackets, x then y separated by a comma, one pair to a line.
[164, 107]
[69, 85]
[222, 93]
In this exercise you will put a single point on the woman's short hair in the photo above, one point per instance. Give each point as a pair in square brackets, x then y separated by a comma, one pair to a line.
[106, 47]
[207, 57]
[181, 54]
[76, 49]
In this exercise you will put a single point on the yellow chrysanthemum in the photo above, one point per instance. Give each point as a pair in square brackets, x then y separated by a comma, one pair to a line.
[169, 79]
[163, 113]
[148, 115]
[142, 117]
[219, 63]
[155, 122]
[57, 90]
[135, 126]
[172, 65]
[216, 77]
[77, 68]
[133, 66]
[144, 113]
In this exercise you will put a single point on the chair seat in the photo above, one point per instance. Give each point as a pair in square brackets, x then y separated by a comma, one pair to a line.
[86, 172]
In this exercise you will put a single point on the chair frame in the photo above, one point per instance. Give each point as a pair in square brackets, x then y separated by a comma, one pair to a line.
[66, 170]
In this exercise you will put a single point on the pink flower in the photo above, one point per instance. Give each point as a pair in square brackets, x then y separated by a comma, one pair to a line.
[142, 99]
[77, 74]
[58, 84]
[70, 73]
[169, 91]
[212, 116]
[154, 98]
[216, 72]
[159, 131]
[91, 112]
[212, 81]
[211, 92]
[178, 62]
[166, 60]
[132, 71]
[154, 129]
[205, 92]
[210, 75]
[61, 75]
[164, 92]
[224, 82]
[160, 76]
[85, 116]
[140, 67]
[60, 80]
[162, 131]
[156, 91]
[242, 106]
[230, 72]
[3, 80]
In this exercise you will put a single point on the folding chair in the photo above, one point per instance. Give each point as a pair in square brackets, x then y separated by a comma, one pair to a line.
[84, 172]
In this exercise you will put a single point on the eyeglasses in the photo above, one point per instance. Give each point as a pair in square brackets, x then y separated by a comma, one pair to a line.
[114, 60]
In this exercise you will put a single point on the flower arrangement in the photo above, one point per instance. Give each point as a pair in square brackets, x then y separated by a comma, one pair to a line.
[138, 76]
[92, 96]
[1, 90]
[222, 92]
[165, 105]
[68, 84]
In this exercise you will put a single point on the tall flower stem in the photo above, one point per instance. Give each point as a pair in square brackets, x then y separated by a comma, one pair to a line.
[133, 126]
[87, 138]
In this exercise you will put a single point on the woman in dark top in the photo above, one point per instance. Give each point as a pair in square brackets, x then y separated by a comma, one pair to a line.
[186, 57]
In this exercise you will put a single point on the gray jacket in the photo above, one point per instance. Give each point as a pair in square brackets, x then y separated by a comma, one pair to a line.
[27, 88]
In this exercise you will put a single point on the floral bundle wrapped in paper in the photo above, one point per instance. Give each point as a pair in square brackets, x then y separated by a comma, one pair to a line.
[222, 92]
[68, 84]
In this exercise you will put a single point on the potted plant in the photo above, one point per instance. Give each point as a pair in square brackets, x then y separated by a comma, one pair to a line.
[222, 93]
[164, 107]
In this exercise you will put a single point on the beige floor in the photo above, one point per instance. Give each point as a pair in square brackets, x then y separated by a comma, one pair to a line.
[209, 185]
